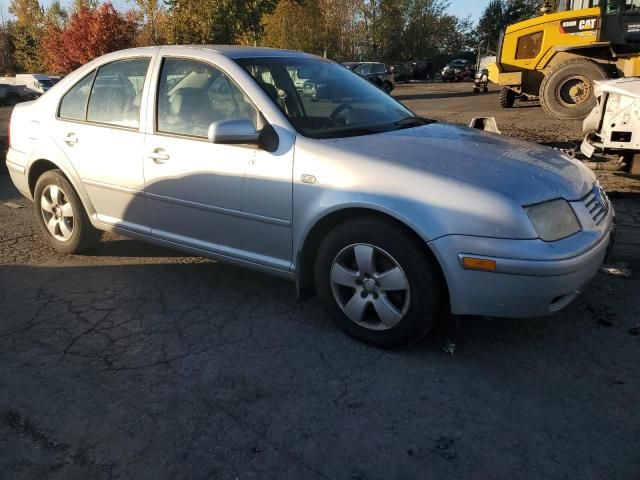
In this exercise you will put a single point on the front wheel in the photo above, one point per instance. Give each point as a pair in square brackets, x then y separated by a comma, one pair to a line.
[567, 92]
[61, 215]
[377, 283]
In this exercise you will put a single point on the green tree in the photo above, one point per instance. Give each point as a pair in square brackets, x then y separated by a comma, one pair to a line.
[56, 15]
[27, 32]
[7, 63]
[499, 14]
[250, 18]
[491, 23]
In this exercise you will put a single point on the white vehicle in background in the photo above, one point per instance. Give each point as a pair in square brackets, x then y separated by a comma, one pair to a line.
[613, 126]
[35, 81]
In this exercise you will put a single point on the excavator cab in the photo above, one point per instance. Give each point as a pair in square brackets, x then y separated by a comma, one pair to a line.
[556, 57]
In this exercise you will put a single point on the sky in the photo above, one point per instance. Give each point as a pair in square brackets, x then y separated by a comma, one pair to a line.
[462, 8]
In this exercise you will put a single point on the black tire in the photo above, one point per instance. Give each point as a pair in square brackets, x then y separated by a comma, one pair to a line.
[387, 87]
[575, 75]
[84, 235]
[507, 97]
[425, 288]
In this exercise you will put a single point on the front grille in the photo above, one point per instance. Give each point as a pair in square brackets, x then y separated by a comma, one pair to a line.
[597, 203]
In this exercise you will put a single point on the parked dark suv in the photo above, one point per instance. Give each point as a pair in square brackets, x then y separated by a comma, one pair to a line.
[457, 71]
[400, 72]
[376, 73]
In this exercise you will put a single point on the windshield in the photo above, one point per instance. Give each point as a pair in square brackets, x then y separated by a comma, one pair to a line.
[322, 99]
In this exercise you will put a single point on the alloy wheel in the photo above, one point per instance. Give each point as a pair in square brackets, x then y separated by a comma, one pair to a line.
[57, 212]
[370, 286]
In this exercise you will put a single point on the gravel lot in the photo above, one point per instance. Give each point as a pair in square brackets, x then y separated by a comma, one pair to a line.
[137, 362]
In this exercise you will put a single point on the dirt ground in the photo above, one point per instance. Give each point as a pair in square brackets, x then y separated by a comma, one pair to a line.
[138, 362]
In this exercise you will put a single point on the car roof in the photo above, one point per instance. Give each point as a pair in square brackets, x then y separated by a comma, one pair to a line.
[359, 63]
[231, 51]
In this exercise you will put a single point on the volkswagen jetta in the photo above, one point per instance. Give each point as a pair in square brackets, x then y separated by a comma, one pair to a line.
[390, 218]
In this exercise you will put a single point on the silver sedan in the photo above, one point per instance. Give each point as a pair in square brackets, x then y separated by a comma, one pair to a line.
[391, 219]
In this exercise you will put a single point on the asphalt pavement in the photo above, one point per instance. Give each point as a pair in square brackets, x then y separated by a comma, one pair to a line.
[133, 361]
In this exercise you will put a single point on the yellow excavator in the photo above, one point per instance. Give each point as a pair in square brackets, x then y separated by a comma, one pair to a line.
[556, 57]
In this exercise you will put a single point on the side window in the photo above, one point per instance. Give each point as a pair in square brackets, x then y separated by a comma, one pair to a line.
[529, 46]
[117, 92]
[192, 95]
[74, 103]
[378, 68]
[363, 69]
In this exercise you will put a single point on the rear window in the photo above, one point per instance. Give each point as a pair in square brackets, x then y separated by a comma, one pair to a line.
[117, 93]
[74, 103]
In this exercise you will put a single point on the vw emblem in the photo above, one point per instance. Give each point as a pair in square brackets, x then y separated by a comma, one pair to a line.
[601, 198]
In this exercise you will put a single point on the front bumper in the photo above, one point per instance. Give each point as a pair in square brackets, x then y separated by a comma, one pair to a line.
[520, 287]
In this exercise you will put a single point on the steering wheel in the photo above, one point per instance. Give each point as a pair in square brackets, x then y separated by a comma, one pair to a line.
[342, 108]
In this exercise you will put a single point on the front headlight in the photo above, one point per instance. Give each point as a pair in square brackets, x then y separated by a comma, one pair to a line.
[553, 220]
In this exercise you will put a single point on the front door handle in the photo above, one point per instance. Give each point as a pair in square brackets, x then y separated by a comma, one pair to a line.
[71, 139]
[158, 155]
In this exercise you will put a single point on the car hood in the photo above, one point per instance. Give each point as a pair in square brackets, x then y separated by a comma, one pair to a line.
[527, 172]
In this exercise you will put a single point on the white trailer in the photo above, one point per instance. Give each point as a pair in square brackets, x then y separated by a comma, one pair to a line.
[34, 81]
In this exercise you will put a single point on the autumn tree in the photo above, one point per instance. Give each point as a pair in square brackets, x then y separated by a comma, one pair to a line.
[153, 18]
[203, 21]
[250, 18]
[90, 32]
[294, 26]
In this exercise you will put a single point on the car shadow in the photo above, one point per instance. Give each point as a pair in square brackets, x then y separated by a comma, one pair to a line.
[124, 247]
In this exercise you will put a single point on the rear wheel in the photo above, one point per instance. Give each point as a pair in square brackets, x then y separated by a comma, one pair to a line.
[507, 97]
[61, 215]
[566, 92]
[377, 283]
[387, 87]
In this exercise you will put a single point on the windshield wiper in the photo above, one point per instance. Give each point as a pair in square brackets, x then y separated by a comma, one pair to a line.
[349, 132]
[414, 121]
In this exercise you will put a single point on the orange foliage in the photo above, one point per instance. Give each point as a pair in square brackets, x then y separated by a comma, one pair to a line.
[90, 33]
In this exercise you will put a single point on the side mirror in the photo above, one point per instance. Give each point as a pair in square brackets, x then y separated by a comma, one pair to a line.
[233, 132]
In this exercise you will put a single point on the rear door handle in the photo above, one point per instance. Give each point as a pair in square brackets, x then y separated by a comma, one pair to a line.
[158, 156]
[71, 139]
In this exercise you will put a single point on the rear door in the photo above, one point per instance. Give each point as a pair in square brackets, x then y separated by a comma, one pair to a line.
[99, 129]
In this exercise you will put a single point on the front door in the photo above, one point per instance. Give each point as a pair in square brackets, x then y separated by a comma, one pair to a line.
[200, 194]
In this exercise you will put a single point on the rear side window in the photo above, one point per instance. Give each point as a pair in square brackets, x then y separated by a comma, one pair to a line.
[529, 46]
[117, 93]
[378, 68]
[74, 103]
[363, 69]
